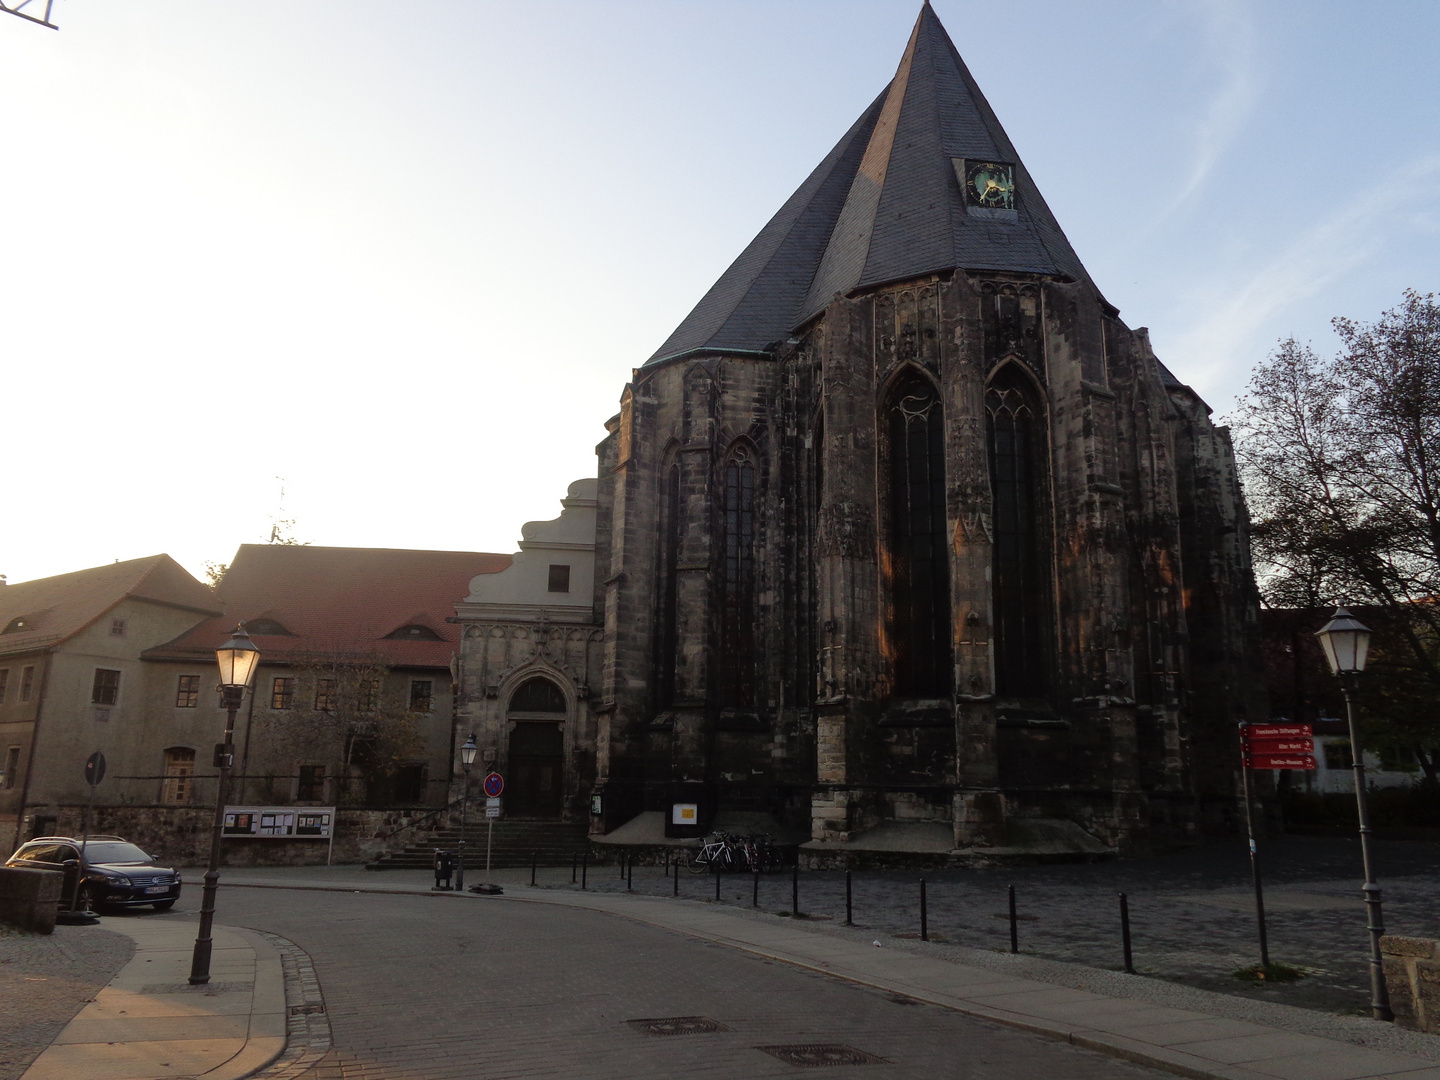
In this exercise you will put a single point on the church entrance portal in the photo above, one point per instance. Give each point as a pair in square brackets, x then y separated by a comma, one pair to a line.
[537, 751]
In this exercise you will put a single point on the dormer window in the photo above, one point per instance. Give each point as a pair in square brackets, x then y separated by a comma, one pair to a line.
[266, 628]
[413, 632]
[16, 625]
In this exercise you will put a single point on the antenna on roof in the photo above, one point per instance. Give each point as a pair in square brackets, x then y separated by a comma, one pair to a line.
[13, 8]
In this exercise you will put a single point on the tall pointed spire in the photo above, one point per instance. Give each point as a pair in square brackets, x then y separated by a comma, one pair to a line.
[887, 203]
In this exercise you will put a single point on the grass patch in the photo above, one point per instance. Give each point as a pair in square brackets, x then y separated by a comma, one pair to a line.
[1269, 973]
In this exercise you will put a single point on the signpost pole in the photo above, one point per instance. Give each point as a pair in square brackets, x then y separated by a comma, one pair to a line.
[1254, 853]
[489, 835]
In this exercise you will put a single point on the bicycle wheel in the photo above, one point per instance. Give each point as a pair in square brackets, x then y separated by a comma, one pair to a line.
[700, 861]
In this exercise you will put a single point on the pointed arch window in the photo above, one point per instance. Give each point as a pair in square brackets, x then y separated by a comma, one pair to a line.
[1019, 577]
[919, 555]
[667, 638]
[737, 614]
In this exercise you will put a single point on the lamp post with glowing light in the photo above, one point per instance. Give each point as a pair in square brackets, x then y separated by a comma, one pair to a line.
[1346, 641]
[238, 659]
[467, 758]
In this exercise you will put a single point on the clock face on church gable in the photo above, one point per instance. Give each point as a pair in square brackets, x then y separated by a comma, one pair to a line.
[990, 185]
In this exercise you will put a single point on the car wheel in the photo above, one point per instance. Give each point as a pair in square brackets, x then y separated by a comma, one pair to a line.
[163, 905]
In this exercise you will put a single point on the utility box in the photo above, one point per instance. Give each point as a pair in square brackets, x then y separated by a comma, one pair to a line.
[688, 812]
[445, 861]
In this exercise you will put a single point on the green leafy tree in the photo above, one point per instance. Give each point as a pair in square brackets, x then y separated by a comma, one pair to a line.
[1341, 461]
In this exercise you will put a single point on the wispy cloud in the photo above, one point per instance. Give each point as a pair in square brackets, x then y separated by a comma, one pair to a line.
[1243, 310]
[1230, 50]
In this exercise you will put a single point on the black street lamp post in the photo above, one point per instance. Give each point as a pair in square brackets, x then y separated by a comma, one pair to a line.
[467, 758]
[238, 659]
[1346, 641]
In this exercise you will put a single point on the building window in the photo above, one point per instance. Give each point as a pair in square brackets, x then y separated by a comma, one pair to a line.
[667, 640]
[282, 694]
[325, 695]
[12, 767]
[179, 785]
[27, 682]
[559, 578]
[106, 688]
[420, 695]
[1020, 579]
[538, 695]
[737, 614]
[1337, 754]
[16, 625]
[919, 555]
[187, 692]
[368, 695]
[312, 784]
[4, 683]
[408, 785]
[117, 627]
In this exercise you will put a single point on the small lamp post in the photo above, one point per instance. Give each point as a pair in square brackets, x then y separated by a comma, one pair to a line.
[467, 758]
[238, 659]
[1346, 641]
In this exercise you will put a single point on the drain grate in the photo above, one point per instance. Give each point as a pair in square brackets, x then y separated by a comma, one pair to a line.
[678, 1025]
[821, 1055]
[309, 1009]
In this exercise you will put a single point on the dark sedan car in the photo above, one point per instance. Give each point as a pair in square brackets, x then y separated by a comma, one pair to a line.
[116, 872]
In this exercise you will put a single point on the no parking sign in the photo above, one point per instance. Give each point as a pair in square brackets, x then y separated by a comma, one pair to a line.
[494, 784]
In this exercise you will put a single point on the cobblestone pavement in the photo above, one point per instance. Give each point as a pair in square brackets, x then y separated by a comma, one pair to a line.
[45, 980]
[426, 988]
[1192, 913]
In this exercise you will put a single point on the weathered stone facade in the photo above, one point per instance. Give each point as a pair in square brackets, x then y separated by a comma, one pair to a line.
[951, 549]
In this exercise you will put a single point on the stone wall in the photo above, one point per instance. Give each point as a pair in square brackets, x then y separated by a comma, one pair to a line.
[1412, 972]
[181, 834]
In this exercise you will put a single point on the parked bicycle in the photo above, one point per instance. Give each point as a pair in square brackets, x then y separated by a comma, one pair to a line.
[728, 852]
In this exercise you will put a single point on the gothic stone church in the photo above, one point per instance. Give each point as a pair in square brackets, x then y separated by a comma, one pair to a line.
[904, 534]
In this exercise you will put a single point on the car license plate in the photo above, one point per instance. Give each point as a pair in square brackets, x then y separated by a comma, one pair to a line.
[157, 889]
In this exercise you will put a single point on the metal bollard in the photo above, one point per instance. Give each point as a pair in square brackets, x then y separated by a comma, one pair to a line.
[848, 896]
[584, 867]
[574, 859]
[630, 875]
[755, 894]
[1014, 924]
[795, 886]
[717, 881]
[622, 864]
[675, 881]
[1125, 933]
[533, 858]
[667, 862]
[924, 921]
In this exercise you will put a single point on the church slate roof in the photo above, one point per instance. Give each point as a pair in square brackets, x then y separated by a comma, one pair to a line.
[884, 205]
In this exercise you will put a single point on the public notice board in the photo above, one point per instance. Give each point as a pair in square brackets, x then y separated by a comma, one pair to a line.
[280, 822]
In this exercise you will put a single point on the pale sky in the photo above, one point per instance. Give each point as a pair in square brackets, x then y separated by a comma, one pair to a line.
[405, 255]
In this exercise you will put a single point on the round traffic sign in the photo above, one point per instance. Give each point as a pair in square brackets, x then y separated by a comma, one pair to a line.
[494, 784]
[95, 768]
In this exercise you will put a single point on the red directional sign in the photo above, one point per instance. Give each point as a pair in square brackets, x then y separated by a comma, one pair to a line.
[1280, 746]
[1277, 731]
[494, 784]
[1280, 761]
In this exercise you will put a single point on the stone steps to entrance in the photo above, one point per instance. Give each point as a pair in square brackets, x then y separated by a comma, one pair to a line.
[513, 844]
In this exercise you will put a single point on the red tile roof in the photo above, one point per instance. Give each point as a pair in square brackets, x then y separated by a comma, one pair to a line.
[330, 600]
[56, 608]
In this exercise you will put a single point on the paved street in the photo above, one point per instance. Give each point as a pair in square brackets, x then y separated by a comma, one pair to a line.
[428, 987]
[1192, 913]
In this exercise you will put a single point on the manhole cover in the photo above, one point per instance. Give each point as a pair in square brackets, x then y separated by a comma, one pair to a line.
[309, 1008]
[821, 1055]
[678, 1025]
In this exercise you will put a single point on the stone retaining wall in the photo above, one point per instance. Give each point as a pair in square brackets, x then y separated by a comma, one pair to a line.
[1412, 973]
[29, 898]
[181, 834]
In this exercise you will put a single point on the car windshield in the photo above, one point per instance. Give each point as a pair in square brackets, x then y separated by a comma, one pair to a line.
[110, 851]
